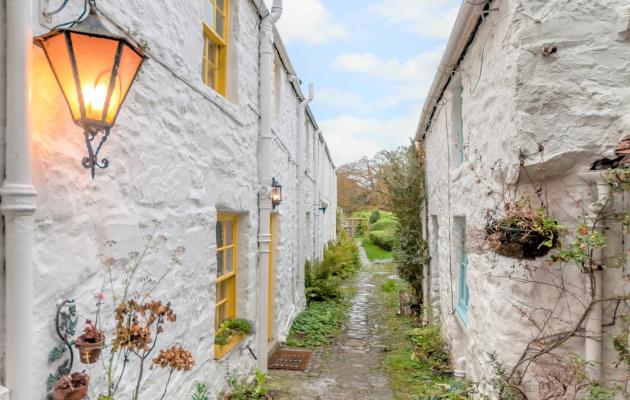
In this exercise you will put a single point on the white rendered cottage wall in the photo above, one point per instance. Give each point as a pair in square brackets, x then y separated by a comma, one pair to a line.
[179, 154]
[570, 102]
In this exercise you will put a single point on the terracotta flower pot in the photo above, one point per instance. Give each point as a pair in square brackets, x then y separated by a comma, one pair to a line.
[89, 351]
[72, 387]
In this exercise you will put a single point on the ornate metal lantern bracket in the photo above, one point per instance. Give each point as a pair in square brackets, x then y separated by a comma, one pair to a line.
[92, 161]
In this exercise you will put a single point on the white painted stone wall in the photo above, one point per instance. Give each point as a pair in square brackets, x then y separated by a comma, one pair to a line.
[179, 154]
[575, 103]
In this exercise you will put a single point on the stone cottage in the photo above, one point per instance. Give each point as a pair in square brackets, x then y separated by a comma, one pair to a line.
[526, 112]
[215, 118]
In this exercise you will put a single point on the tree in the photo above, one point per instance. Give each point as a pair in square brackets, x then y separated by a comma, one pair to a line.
[403, 176]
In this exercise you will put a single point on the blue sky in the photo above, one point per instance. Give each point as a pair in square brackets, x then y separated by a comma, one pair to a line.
[372, 63]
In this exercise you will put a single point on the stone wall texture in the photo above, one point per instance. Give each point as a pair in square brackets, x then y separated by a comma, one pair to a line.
[575, 104]
[179, 154]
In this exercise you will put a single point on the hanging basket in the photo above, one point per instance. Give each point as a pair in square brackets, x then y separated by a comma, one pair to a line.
[89, 350]
[72, 387]
[517, 242]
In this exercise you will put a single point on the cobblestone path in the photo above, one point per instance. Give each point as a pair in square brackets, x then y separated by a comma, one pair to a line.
[351, 367]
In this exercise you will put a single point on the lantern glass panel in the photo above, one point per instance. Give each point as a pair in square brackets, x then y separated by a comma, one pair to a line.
[129, 64]
[95, 59]
[57, 52]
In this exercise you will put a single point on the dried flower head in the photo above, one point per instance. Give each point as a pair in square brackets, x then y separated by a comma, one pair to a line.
[175, 358]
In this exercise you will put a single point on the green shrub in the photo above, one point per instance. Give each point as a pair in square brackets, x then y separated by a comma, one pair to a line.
[316, 325]
[388, 225]
[361, 229]
[383, 239]
[341, 261]
[362, 214]
[375, 217]
[242, 391]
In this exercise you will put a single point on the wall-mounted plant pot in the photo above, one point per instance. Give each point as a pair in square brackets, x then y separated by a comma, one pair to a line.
[516, 242]
[72, 387]
[89, 351]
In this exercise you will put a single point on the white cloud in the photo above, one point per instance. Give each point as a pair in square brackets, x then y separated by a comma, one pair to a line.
[343, 99]
[419, 68]
[351, 138]
[408, 80]
[426, 18]
[308, 21]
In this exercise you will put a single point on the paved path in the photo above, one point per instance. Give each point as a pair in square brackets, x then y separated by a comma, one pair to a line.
[350, 368]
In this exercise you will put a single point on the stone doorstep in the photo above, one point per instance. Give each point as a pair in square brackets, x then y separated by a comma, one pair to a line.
[272, 347]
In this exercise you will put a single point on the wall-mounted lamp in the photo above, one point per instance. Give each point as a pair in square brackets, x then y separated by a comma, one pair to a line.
[276, 193]
[95, 70]
[323, 207]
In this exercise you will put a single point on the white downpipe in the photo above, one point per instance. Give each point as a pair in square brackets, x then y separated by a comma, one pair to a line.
[593, 323]
[266, 175]
[301, 300]
[18, 204]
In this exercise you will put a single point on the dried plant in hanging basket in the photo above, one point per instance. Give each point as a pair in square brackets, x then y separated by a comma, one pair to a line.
[523, 232]
[72, 387]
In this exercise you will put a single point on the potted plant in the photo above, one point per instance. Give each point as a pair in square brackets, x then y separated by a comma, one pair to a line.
[523, 232]
[72, 387]
[90, 343]
[231, 327]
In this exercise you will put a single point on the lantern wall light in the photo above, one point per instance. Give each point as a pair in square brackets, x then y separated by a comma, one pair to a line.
[276, 193]
[323, 207]
[95, 70]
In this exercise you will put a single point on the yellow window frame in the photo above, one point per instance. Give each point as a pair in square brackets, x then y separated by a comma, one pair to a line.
[215, 75]
[229, 279]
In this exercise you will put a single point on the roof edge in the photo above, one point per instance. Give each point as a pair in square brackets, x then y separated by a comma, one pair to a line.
[465, 26]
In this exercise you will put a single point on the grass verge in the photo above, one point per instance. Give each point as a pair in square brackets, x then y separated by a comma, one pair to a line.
[374, 252]
[417, 362]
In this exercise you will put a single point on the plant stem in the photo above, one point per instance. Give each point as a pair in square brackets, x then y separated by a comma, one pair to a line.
[168, 381]
[136, 393]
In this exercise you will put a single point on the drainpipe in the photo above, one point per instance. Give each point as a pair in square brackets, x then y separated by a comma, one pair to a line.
[301, 300]
[593, 323]
[266, 175]
[18, 204]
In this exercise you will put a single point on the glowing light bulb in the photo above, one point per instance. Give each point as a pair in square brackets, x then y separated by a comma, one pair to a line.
[94, 98]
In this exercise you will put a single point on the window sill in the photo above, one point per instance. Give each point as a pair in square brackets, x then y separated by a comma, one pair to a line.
[461, 315]
[457, 172]
[222, 351]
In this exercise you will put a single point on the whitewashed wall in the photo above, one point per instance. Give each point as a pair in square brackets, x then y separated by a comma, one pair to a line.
[179, 154]
[575, 104]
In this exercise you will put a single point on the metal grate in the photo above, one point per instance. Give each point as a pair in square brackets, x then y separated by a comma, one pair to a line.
[292, 360]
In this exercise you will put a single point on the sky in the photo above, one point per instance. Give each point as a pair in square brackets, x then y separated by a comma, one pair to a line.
[372, 63]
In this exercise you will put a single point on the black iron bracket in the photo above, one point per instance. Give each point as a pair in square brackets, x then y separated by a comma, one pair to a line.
[62, 324]
[92, 161]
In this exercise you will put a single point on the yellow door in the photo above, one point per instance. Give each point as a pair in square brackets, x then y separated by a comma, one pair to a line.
[270, 291]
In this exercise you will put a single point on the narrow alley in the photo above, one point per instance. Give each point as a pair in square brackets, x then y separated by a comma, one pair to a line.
[351, 368]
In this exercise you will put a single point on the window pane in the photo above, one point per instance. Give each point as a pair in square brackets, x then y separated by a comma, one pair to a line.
[220, 239]
[221, 314]
[220, 24]
[221, 5]
[229, 233]
[220, 263]
[208, 13]
[213, 53]
[229, 260]
[222, 291]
